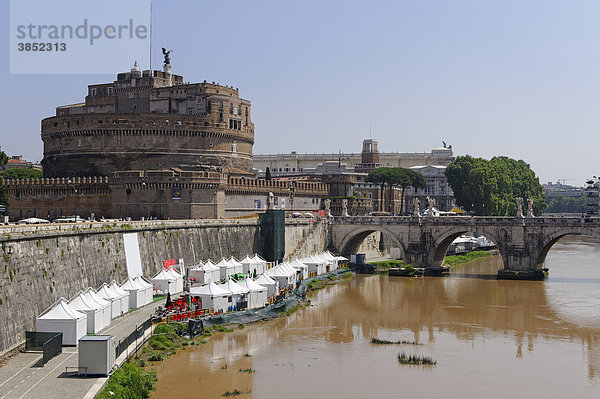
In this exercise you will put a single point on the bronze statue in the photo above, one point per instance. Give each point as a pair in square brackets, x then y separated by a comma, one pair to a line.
[167, 57]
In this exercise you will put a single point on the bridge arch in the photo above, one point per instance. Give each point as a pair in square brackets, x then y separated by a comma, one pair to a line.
[350, 242]
[442, 242]
[551, 239]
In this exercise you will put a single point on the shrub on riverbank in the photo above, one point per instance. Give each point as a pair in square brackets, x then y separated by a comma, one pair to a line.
[386, 264]
[457, 259]
[129, 381]
[378, 341]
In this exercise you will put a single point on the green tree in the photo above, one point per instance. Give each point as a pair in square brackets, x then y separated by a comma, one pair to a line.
[21, 173]
[268, 174]
[395, 177]
[489, 187]
[560, 204]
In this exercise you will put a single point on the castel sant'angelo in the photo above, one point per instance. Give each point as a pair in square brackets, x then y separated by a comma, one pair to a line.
[150, 145]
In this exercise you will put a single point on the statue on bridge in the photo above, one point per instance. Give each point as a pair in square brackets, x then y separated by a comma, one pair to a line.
[519, 202]
[416, 207]
[345, 208]
[430, 205]
[270, 201]
[530, 208]
[327, 207]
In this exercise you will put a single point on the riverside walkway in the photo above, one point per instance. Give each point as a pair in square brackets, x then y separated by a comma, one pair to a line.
[23, 377]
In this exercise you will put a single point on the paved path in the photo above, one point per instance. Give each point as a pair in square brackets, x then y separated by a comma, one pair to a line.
[22, 376]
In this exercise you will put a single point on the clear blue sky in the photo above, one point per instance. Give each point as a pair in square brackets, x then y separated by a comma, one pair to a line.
[514, 78]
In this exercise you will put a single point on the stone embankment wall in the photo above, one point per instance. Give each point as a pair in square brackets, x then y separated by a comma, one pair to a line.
[43, 263]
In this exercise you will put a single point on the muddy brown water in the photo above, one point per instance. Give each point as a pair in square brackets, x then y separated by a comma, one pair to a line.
[490, 338]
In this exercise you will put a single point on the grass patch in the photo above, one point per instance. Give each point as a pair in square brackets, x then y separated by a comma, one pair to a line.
[378, 341]
[159, 298]
[129, 381]
[247, 371]
[403, 358]
[386, 264]
[453, 260]
[290, 310]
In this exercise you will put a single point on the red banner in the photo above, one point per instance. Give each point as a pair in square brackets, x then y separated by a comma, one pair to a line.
[169, 263]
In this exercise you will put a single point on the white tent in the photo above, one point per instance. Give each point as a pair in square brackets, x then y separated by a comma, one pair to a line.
[226, 269]
[260, 264]
[248, 265]
[106, 293]
[239, 294]
[149, 289]
[164, 282]
[257, 296]
[122, 294]
[271, 285]
[283, 275]
[315, 265]
[330, 258]
[238, 267]
[215, 274]
[137, 293]
[95, 319]
[60, 317]
[212, 296]
[106, 308]
[301, 267]
[178, 279]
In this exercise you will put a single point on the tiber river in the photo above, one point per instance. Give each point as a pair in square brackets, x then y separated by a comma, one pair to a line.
[490, 338]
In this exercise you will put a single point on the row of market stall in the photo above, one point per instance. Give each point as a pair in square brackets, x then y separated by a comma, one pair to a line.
[90, 311]
[205, 272]
[252, 293]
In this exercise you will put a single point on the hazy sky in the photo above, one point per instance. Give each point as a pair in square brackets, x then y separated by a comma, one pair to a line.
[515, 78]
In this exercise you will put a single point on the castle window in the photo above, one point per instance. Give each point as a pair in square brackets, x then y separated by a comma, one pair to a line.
[221, 106]
[234, 147]
[220, 117]
[231, 108]
[110, 91]
[93, 92]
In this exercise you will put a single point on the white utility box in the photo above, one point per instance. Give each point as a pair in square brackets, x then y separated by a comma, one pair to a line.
[97, 354]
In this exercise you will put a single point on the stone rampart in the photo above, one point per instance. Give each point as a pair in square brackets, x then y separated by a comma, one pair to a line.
[42, 263]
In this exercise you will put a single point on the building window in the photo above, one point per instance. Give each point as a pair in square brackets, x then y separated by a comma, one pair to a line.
[221, 106]
[231, 108]
[234, 147]
[110, 91]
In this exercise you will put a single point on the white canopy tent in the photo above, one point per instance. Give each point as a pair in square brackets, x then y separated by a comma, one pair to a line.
[122, 294]
[216, 271]
[226, 269]
[260, 264]
[137, 293]
[61, 317]
[212, 296]
[164, 282]
[301, 267]
[178, 279]
[239, 293]
[106, 308]
[315, 265]
[271, 284]
[283, 275]
[95, 319]
[106, 293]
[257, 296]
[237, 266]
[149, 289]
[330, 258]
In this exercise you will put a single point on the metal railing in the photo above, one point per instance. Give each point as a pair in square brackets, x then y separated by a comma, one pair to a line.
[133, 337]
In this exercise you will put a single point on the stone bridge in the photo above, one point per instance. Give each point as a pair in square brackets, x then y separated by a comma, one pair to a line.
[523, 242]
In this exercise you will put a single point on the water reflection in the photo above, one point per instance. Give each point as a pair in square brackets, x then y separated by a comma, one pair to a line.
[483, 332]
